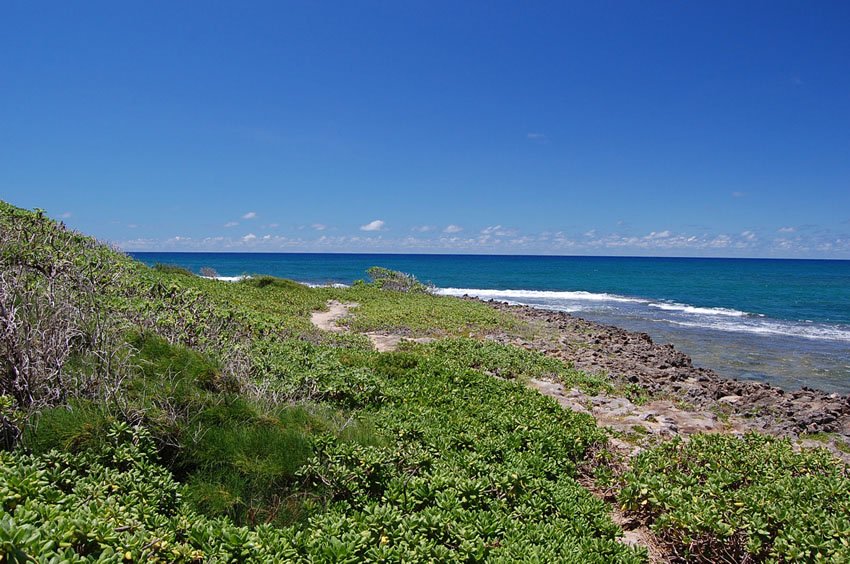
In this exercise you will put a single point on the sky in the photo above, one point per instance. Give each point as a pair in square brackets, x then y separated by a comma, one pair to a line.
[716, 128]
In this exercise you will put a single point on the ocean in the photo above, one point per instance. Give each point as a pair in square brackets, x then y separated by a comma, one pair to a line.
[786, 322]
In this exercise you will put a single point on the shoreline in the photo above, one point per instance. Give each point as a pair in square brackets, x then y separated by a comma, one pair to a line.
[630, 357]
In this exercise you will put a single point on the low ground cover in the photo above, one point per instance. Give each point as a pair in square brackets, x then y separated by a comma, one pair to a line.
[754, 498]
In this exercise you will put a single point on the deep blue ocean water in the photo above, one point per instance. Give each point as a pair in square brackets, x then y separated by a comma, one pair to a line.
[782, 321]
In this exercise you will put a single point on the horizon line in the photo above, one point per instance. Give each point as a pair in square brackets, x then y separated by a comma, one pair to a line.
[392, 253]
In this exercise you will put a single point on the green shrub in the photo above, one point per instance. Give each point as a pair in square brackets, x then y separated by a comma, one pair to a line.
[172, 269]
[265, 281]
[723, 498]
[395, 281]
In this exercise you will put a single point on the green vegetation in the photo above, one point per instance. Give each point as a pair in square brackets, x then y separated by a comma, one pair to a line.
[422, 314]
[149, 414]
[387, 279]
[508, 362]
[722, 498]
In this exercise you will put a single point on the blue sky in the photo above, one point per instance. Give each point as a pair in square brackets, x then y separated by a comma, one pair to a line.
[608, 128]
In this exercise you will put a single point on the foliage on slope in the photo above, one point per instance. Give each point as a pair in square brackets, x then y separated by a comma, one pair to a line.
[464, 467]
[723, 498]
[184, 419]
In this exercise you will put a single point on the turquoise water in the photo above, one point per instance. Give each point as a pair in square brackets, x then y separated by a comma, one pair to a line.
[782, 321]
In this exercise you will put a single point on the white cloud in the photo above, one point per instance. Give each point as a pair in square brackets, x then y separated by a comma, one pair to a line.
[453, 229]
[738, 194]
[498, 231]
[250, 215]
[787, 229]
[422, 228]
[720, 242]
[66, 215]
[319, 226]
[539, 137]
[376, 225]
[803, 242]
[231, 224]
[132, 225]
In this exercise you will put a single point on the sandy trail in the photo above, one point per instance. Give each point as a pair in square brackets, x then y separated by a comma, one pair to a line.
[383, 342]
[326, 320]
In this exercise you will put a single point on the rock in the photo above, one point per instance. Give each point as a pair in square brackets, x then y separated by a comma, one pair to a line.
[633, 358]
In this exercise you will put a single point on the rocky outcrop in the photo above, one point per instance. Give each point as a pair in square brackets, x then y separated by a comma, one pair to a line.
[633, 358]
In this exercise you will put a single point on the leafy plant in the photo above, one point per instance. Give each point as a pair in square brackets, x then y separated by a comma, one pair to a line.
[723, 498]
[395, 281]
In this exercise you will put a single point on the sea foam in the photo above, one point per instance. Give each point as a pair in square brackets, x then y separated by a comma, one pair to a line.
[227, 278]
[818, 331]
[685, 308]
[682, 315]
[517, 295]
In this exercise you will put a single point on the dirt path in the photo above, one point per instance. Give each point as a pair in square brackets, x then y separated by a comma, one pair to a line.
[383, 342]
[326, 320]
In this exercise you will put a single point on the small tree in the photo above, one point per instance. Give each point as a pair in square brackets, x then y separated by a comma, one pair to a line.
[209, 272]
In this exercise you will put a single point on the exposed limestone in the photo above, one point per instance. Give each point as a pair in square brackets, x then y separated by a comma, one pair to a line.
[632, 358]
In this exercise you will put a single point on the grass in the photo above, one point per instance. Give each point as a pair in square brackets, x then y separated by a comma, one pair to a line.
[422, 314]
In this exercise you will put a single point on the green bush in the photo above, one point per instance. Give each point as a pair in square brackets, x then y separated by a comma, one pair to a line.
[172, 269]
[395, 281]
[723, 498]
[264, 281]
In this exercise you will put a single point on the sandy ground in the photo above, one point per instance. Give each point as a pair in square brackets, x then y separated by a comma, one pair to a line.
[337, 311]
[327, 320]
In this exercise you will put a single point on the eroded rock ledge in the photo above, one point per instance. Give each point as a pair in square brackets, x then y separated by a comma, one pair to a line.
[630, 357]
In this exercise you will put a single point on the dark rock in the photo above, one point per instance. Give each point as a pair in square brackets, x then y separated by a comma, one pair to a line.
[661, 369]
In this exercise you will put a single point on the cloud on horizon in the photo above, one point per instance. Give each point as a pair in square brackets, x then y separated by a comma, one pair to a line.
[498, 231]
[376, 225]
[500, 240]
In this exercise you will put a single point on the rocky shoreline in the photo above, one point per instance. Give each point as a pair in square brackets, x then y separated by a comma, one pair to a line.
[667, 374]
